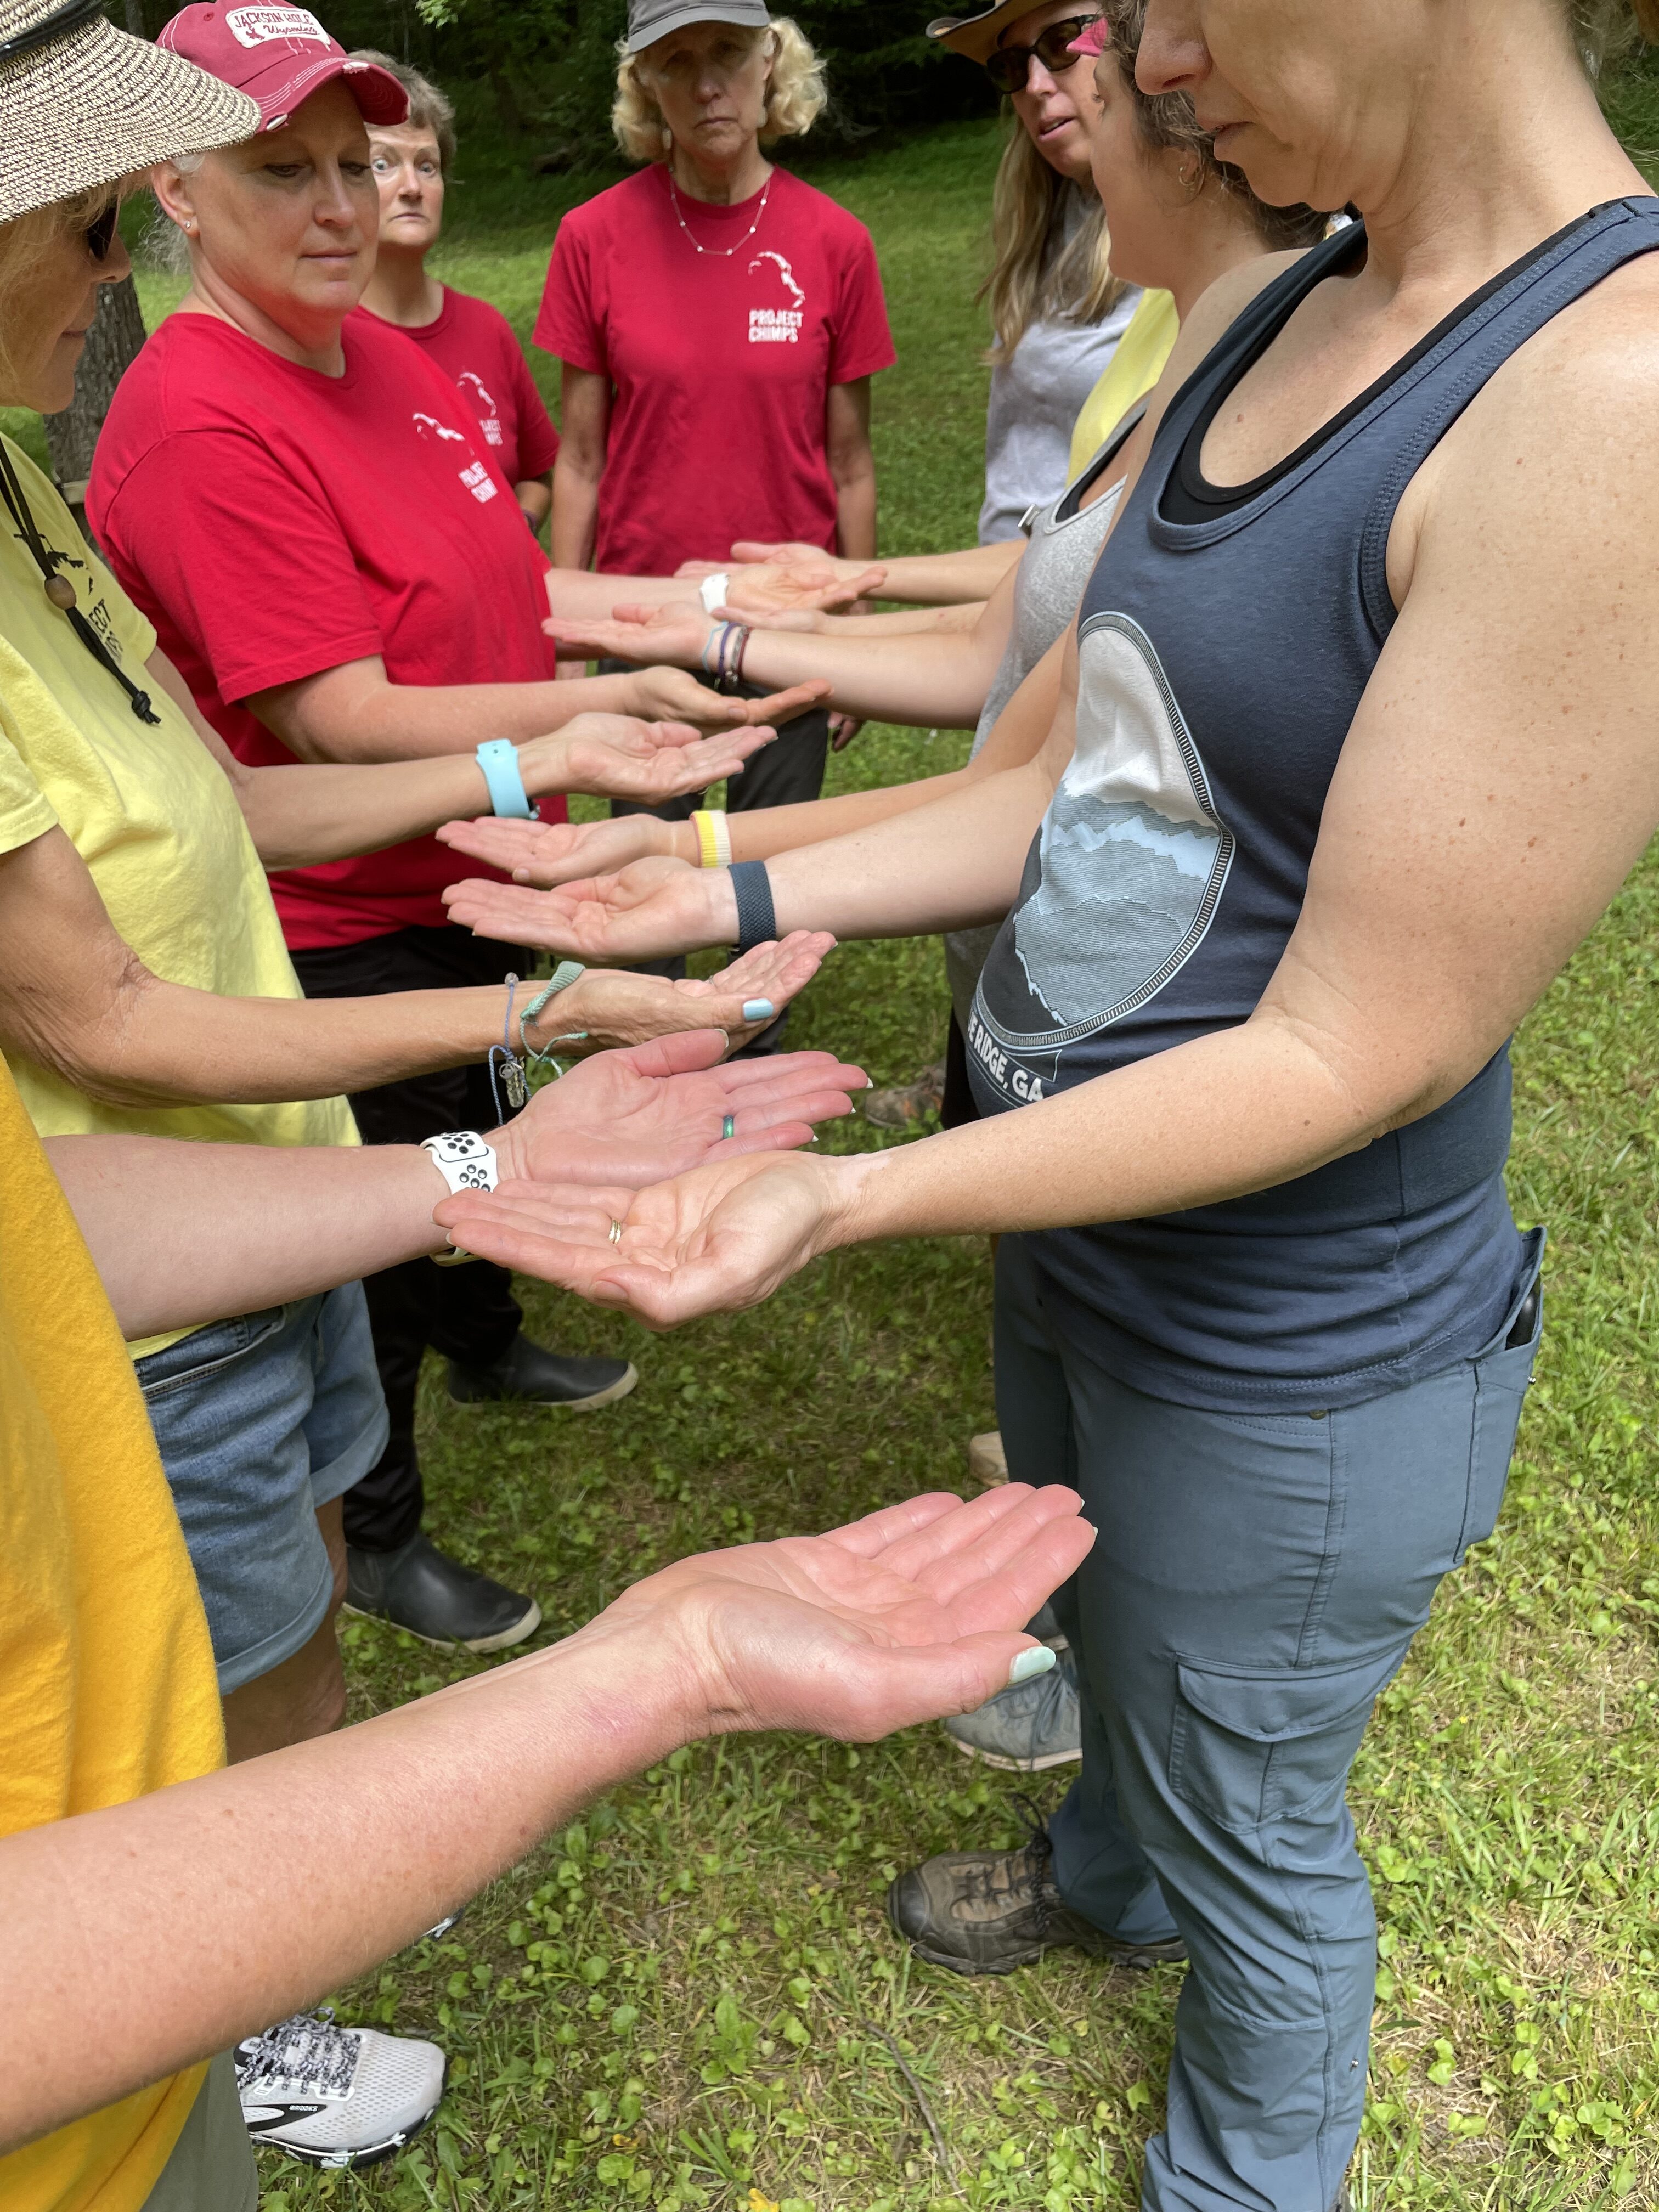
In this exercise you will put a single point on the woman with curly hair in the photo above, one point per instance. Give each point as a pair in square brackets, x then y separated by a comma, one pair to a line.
[719, 322]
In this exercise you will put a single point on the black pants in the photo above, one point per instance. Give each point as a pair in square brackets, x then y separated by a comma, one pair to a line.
[469, 1313]
[787, 773]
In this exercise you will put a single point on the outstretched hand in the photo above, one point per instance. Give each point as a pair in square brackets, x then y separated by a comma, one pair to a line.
[717, 1239]
[766, 578]
[619, 757]
[647, 911]
[546, 853]
[623, 1119]
[911, 1614]
[612, 1006]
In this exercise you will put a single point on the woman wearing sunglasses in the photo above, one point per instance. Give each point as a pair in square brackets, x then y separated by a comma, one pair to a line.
[1058, 309]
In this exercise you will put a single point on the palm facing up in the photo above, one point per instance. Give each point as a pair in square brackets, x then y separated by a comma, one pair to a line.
[646, 911]
[617, 757]
[914, 1612]
[547, 854]
[623, 1119]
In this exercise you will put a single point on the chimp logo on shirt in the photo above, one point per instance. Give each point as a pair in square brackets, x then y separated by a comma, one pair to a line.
[259, 26]
[475, 476]
[780, 325]
[489, 421]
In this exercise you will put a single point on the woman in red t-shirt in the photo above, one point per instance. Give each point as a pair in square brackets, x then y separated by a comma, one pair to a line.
[719, 322]
[471, 341]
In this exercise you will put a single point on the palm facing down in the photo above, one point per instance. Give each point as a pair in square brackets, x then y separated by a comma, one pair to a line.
[913, 1613]
[623, 1119]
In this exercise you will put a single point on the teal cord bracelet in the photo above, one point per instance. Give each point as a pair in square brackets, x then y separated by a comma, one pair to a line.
[562, 977]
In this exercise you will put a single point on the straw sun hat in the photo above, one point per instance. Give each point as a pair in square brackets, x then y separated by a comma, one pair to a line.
[81, 104]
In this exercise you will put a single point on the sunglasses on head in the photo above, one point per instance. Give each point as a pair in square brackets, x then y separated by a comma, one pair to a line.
[99, 233]
[1009, 67]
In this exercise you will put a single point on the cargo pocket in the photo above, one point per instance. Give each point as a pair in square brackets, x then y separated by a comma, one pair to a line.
[1246, 1749]
[1502, 1373]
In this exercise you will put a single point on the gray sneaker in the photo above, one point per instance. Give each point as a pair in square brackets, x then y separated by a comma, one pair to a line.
[1026, 1728]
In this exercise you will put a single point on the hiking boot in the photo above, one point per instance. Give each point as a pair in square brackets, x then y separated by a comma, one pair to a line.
[988, 1913]
[987, 1462]
[336, 2096]
[435, 1597]
[904, 1104]
[1027, 1727]
[528, 1374]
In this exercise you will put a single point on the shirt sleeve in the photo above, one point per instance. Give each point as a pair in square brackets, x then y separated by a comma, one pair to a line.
[862, 342]
[25, 812]
[253, 568]
[571, 323]
[539, 441]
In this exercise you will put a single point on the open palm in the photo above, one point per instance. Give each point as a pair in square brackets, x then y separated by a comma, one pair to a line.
[546, 853]
[616, 1006]
[645, 911]
[619, 757]
[912, 1612]
[627, 1118]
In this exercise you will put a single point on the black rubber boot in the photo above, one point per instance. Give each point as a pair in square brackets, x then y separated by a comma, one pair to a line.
[437, 1599]
[528, 1374]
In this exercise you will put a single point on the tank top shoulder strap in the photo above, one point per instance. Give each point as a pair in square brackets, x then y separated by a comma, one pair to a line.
[1453, 372]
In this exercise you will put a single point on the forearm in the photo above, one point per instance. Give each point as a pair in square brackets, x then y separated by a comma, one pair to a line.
[948, 865]
[1240, 1110]
[937, 682]
[855, 514]
[140, 1937]
[575, 510]
[948, 578]
[372, 720]
[153, 1043]
[182, 1234]
[770, 830]
[535, 497]
[301, 815]
[901, 622]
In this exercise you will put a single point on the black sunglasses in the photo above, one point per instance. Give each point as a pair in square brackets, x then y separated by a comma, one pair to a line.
[1009, 67]
[99, 233]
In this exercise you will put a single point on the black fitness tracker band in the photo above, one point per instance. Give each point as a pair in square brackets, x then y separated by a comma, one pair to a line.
[757, 921]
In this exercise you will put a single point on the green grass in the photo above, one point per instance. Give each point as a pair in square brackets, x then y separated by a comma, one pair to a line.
[690, 1998]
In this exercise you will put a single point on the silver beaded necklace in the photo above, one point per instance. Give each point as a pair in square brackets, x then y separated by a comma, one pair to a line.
[720, 252]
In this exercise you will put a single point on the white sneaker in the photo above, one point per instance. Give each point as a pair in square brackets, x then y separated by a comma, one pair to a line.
[337, 2096]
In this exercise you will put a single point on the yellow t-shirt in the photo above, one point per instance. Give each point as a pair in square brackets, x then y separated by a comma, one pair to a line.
[107, 1683]
[1129, 375]
[151, 813]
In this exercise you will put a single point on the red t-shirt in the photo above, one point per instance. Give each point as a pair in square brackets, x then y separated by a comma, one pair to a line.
[274, 522]
[473, 344]
[721, 361]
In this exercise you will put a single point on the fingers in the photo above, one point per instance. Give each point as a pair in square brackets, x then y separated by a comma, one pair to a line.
[981, 1543]
[513, 916]
[680, 1053]
[874, 1533]
[780, 706]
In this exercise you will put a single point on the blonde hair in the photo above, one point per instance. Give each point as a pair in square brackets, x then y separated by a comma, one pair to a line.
[1606, 30]
[28, 242]
[1038, 274]
[795, 97]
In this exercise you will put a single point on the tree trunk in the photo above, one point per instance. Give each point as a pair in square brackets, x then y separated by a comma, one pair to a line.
[113, 344]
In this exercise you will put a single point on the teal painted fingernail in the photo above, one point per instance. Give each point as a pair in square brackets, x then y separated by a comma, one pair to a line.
[758, 1010]
[1028, 1665]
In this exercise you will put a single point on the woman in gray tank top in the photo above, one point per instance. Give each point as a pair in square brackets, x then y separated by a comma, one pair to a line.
[1352, 759]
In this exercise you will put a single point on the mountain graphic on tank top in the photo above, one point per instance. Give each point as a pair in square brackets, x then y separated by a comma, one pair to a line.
[1125, 875]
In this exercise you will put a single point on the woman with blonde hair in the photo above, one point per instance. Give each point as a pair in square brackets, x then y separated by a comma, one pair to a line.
[1057, 310]
[719, 322]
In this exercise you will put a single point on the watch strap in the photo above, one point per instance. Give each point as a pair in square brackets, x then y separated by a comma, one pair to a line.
[500, 761]
[758, 920]
[462, 1159]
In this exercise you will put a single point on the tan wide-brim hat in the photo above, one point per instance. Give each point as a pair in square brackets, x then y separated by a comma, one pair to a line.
[977, 35]
[82, 104]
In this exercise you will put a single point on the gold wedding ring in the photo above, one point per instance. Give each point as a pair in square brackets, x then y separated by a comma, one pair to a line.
[616, 1232]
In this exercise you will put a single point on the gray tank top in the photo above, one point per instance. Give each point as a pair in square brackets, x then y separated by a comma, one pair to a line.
[1066, 539]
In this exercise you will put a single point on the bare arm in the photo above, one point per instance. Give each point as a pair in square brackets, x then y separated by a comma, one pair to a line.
[535, 497]
[852, 468]
[583, 431]
[1499, 780]
[925, 579]
[76, 1000]
[148, 1935]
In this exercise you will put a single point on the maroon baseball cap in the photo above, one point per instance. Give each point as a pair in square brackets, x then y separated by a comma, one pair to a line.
[278, 56]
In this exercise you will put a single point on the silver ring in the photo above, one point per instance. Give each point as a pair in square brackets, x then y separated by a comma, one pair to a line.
[616, 1232]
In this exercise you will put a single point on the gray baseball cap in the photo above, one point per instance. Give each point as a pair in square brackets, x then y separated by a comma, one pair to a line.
[650, 20]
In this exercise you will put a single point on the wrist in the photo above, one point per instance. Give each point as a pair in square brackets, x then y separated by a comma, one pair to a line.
[852, 1212]
[678, 841]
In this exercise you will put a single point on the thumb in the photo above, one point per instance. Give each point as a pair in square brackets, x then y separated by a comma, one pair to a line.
[902, 1686]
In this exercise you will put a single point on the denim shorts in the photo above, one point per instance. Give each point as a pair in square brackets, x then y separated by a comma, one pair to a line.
[260, 1421]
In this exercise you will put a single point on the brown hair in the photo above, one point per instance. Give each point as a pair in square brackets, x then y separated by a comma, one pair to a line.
[429, 109]
[1166, 119]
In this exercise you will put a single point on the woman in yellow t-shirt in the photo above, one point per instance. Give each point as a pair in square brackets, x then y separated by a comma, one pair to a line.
[147, 987]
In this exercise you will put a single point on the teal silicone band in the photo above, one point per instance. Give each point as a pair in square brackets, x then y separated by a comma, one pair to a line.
[500, 761]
